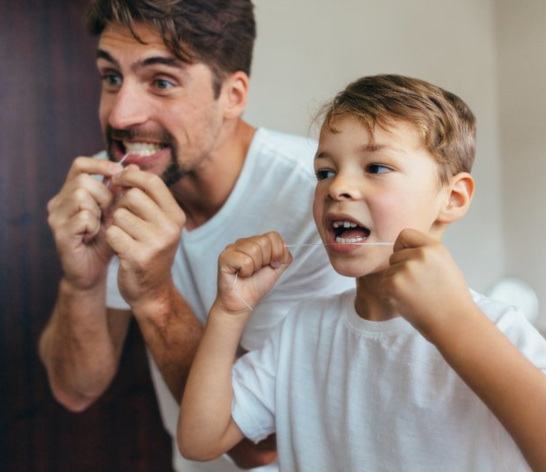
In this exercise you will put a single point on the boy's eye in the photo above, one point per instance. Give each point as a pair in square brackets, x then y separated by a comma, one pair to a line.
[323, 174]
[378, 169]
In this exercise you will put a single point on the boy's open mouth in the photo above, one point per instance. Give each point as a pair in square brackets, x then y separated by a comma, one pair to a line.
[349, 232]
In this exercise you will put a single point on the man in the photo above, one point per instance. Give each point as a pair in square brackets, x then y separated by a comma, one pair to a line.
[185, 176]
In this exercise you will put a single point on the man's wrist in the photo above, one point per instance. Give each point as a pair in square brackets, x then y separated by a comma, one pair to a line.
[70, 290]
[157, 303]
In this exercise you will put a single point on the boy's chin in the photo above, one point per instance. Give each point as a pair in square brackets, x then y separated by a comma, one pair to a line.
[357, 270]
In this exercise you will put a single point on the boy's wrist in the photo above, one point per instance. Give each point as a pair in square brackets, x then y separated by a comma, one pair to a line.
[234, 322]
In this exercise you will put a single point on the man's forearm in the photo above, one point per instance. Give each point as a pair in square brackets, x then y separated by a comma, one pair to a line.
[172, 333]
[76, 347]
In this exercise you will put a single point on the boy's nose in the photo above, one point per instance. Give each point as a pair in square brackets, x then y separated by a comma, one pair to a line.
[344, 188]
[129, 108]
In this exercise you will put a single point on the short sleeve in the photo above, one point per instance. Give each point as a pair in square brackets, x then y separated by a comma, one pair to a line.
[113, 296]
[523, 336]
[254, 379]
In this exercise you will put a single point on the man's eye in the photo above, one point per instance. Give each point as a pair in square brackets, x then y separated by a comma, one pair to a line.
[163, 84]
[111, 80]
[323, 174]
[378, 169]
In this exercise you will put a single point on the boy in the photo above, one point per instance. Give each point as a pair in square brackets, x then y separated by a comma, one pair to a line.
[412, 371]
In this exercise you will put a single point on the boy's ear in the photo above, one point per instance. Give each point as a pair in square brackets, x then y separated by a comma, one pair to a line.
[459, 195]
[235, 90]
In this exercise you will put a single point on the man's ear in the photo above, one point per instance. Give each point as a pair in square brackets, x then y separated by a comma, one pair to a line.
[459, 195]
[235, 91]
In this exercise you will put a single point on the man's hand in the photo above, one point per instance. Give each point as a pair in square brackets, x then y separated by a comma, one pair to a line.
[248, 269]
[74, 216]
[248, 455]
[423, 281]
[145, 232]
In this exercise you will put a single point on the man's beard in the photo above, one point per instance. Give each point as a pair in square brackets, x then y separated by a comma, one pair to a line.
[172, 174]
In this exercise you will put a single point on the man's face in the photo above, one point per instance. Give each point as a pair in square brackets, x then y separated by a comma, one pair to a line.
[155, 109]
[369, 190]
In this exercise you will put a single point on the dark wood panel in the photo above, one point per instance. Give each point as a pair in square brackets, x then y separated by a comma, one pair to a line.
[48, 115]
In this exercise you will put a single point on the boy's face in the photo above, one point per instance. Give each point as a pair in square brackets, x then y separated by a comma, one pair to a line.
[369, 190]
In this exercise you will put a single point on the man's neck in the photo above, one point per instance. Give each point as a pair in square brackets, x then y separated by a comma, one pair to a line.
[204, 191]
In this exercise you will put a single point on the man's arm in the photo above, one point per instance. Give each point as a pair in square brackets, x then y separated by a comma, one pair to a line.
[81, 345]
[426, 285]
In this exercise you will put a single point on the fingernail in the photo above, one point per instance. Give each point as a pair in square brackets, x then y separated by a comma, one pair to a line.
[275, 264]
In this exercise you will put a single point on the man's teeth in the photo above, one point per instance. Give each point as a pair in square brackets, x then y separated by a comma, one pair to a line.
[344, 224]
[141, 149]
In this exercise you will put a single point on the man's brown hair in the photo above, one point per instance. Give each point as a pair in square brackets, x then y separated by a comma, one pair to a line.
[219, 33]
[446, 124]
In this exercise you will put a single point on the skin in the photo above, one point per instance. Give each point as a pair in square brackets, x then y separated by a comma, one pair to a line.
[389, 184]
[147, 96]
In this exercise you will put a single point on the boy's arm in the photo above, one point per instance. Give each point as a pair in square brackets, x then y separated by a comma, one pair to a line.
[247, 271]
[426, 285]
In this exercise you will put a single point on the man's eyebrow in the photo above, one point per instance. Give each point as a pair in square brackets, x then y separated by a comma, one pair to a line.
[102, 54]
[161, 60]
[149, 61]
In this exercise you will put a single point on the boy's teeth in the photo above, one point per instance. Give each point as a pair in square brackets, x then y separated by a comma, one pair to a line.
[341, 240]
[141, 149]
[344, 224]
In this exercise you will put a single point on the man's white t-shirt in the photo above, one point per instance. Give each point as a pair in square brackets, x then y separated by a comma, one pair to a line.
[274, 192]
[347, 394]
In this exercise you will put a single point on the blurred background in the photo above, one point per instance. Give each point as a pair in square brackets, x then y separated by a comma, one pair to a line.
[490, 52]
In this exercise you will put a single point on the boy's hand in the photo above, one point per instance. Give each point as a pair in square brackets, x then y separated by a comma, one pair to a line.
[248, 269]
[424, 283]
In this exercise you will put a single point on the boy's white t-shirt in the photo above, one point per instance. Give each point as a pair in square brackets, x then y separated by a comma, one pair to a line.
[274, 192]
[347, 394]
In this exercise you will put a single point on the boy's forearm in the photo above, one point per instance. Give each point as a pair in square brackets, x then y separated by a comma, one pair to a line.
[76, 347]
[511, 386]
[205, 428]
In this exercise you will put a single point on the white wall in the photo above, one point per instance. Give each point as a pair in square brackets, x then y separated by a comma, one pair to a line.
[307, 50]
[522, 94]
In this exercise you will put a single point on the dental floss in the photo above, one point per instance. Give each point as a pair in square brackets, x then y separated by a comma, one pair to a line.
[378, 243]
[251, 308]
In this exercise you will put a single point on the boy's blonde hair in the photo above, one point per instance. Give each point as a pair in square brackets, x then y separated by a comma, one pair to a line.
[445, 123]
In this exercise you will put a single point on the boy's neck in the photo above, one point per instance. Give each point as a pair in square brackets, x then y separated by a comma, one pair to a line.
[370, 302]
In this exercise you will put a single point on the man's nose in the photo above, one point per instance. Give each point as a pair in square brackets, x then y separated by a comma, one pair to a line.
[129, 107]
[345, 187]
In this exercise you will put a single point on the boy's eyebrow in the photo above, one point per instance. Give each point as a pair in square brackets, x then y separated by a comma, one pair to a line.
[169, 61]
[370, 148]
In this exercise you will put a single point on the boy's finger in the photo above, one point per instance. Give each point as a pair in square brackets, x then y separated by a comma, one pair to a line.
[411, 238]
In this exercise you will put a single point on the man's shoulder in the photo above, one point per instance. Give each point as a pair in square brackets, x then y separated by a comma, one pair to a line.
[288, 147]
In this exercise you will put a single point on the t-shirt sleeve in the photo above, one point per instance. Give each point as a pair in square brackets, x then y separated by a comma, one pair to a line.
[254, 379]
[113, 296]
[524, 336]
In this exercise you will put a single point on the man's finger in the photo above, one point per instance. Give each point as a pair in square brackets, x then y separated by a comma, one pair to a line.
[91, 165]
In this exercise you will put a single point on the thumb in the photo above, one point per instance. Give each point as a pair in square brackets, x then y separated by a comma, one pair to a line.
[411, 238]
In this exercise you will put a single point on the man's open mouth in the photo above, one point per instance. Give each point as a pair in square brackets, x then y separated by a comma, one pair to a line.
[349, 232]
[141, 149]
